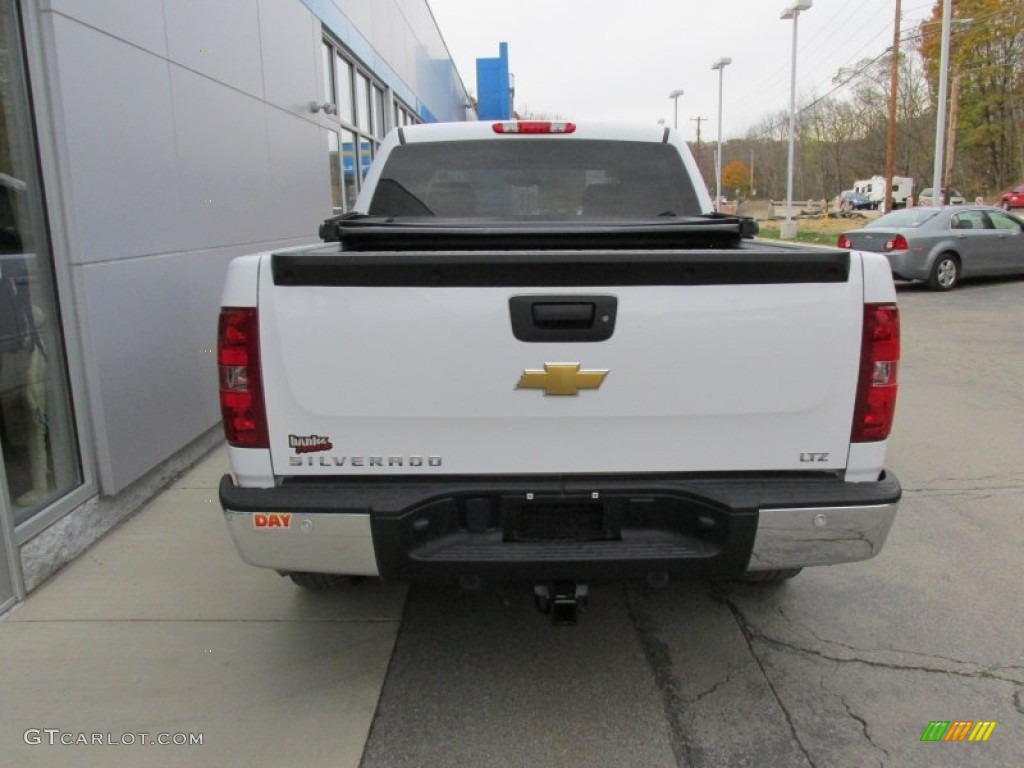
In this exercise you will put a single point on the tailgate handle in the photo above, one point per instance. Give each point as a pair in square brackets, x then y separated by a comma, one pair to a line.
[576, 314]
[563, 318]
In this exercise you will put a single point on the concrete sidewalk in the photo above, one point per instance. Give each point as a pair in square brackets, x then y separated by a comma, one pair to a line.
[161, 629]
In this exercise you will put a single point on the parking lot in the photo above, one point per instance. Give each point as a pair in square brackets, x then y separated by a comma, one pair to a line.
[843, 666]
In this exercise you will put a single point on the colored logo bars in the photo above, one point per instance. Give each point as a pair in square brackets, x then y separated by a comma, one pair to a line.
[958, 730]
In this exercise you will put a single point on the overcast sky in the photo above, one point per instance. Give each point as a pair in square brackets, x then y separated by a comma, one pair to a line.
[618, 60]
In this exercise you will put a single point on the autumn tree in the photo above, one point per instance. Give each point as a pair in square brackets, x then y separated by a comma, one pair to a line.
[736, 178]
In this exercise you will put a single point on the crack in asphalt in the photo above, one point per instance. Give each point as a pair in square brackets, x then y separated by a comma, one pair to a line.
[1011, 477]
[748, 636]
[659, 659]
[977, 484]
[857, 649]
[864, 730]
[988, 673]
[713, 688]
[1017, 702]
[976, 494]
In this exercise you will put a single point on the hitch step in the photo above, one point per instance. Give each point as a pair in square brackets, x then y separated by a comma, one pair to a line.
[564, 600]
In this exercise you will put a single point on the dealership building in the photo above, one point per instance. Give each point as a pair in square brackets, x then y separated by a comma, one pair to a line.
[143, 144]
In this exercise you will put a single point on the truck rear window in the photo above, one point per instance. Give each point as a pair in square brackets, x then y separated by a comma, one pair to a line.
[535, 177]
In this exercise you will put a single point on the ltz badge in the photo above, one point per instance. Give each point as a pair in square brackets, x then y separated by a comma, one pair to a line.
[561, 379]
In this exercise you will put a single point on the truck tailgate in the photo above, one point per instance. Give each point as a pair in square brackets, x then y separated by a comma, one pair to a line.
[381, 366]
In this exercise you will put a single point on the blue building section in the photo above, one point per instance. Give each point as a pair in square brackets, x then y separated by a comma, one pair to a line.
[493, 87]
[424, 76]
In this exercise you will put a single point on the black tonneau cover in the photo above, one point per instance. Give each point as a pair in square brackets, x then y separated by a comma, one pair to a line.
[357, 232]
[710, 249]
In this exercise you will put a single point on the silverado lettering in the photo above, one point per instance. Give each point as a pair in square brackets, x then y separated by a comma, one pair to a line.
[365, 461]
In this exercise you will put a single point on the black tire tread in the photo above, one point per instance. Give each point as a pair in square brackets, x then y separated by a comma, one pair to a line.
[322, 582]
[770, 577]
[933, 277]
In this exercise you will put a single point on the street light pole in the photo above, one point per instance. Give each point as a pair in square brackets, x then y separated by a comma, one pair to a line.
[940, 112]
[890, 133]
[675, 104]
[788, 229]
[720, 65]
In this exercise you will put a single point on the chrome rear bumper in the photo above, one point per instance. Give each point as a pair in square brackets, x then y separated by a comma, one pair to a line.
[318, 543]
[427, 530]
[794, 538]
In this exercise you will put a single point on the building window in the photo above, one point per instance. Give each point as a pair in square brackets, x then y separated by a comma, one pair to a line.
[38, 444]
[334, 160]
[363, 114]
[345, 103]
[328, 57]
[378, 113]
[348, 168]
[366, 110]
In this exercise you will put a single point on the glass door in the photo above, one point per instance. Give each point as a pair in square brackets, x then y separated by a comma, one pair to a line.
[38, 443]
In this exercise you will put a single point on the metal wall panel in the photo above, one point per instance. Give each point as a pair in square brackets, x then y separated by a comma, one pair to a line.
[224, 164]
[218, 39]
[139, 22]
[117, 124]
[185, 138]
[145, 362]
[299, 174]
[290, 64]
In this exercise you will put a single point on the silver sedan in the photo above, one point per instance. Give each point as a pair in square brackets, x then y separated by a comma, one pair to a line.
[942, 244]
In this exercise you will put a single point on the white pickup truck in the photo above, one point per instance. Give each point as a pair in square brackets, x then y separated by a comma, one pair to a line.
[534, 354]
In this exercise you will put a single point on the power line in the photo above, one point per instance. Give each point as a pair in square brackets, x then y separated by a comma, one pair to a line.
[835, 35]
[910, 36]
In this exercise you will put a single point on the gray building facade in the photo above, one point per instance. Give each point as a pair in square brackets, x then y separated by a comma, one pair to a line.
[145, 144]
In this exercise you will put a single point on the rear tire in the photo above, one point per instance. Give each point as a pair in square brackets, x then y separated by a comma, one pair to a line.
[770, 577]
[322, 582]
[945, 274]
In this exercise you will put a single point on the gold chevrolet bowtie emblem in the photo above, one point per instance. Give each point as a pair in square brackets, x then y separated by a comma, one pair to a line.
[561, 379]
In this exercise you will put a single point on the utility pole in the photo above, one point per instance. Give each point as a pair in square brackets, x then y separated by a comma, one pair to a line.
[698, 121]
[954, 103]
[890, 137]
[940, 110]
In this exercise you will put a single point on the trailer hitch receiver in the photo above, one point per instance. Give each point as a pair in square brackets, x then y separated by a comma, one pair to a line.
[564, 600]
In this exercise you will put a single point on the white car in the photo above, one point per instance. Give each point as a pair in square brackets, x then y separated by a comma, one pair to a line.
[925, 198]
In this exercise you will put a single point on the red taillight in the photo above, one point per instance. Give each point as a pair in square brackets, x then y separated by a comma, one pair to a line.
[844, 242]
[877, 385]
[897, 243]
[533, 126]
[241, 390]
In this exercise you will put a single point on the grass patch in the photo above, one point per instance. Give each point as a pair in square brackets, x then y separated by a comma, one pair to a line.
[816, 231]
[770, 229]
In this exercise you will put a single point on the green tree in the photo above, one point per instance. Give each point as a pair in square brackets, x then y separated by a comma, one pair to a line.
[987, 60]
